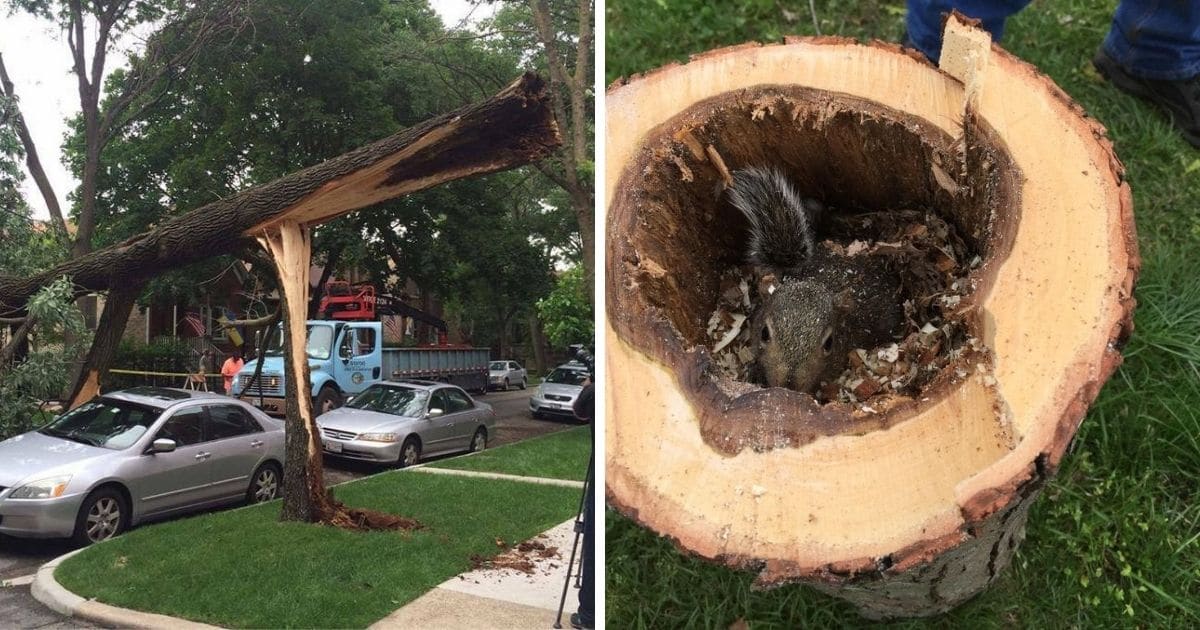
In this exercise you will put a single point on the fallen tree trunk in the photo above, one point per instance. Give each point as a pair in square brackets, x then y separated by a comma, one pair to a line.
[905, 505]
[513, 128]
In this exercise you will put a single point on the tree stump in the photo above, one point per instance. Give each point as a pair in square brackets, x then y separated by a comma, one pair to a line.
[904, 505]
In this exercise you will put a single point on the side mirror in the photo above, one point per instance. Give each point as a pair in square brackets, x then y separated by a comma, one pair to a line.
[162, 445]
[433, 413]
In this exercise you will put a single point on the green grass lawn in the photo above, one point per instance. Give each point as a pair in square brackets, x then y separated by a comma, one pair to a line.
[243, 568]
[1114, 541]
[559, 455]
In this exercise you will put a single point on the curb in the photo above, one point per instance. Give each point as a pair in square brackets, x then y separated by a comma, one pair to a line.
[545, 481]
[48, 591]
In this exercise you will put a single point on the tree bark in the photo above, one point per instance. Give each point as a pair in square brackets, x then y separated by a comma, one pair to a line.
[109, 332]
[18, 341]
[538, 339]
[331, 262]
[903, 505]
[512, 128]
[573, 112]
[33, 161]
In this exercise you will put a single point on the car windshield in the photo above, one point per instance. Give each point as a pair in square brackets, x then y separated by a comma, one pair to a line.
[398, 401]
[497, 365]
[112, 424]
[567, 377]
[320, 342]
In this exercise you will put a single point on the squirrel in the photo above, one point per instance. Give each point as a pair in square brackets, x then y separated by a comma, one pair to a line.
[823, 304]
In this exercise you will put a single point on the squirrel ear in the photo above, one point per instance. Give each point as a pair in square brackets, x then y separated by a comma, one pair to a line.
[844, 300]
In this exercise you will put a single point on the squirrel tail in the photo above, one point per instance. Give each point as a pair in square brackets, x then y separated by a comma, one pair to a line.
[782, 223]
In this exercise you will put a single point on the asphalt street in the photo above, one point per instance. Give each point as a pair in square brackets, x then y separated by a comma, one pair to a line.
[20, 558]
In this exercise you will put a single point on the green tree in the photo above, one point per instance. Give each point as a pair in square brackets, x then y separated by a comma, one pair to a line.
[566, 313]
[29, 383]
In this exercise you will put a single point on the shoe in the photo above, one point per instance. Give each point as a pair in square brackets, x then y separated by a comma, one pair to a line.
[1180, 98]
[578, 622]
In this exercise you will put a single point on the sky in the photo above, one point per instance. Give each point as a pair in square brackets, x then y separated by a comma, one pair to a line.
[39, 63]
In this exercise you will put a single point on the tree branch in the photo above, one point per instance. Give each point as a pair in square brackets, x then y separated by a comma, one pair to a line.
[32, 161]
[7, 352]
[148, 72]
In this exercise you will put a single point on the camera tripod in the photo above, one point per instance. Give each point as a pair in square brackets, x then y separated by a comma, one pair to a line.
[581, 517]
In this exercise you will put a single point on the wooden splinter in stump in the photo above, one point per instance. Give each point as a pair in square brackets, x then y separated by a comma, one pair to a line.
[904, 506]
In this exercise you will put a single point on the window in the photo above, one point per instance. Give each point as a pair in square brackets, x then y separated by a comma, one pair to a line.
[567, 377]
[457, 400]
[226, 421]
[396, 400]
[364, 341]
[186, 427]
[212, 325]
[439, 401]
[112, 424]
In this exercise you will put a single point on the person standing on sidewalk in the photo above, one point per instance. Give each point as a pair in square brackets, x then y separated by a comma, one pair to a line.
[1152, 50]
[233, 364]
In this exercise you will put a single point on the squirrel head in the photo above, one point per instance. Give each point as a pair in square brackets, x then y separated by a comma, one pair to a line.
[797, 336]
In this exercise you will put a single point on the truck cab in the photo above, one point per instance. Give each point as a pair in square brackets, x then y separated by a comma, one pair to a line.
[343, 359]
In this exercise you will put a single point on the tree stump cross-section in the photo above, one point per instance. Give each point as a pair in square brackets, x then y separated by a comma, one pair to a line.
[905, 506]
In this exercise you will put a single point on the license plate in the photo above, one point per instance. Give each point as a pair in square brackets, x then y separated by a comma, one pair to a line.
[333, 447]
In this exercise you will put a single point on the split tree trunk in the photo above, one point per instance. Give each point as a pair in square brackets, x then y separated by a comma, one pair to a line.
[304, 496]
[905, 506]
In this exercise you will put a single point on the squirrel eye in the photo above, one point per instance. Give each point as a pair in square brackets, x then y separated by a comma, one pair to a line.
[827, 344]
[766, 334]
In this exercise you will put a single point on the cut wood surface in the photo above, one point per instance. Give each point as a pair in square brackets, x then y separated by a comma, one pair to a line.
[512, 128]
[911, 506]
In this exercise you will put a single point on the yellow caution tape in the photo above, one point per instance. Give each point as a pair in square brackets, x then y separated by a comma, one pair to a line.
[141, 373]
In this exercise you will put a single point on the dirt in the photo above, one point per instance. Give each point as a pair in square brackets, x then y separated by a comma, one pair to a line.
[520, 558]
[360, 519]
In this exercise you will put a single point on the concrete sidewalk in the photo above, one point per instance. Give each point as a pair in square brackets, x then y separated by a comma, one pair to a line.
[526, 596]
[499, 598]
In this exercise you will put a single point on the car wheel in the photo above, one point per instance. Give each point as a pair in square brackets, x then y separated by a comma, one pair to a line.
[524, 382]
[410, 453]
[264, 485]
[535, 415]
[479, 442]
[327, 400]
[104, 514]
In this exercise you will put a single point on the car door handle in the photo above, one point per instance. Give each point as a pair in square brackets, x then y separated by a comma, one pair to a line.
[203, 456]
[256, 443]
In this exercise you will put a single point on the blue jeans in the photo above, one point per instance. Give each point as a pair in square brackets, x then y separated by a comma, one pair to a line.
[1152, 39]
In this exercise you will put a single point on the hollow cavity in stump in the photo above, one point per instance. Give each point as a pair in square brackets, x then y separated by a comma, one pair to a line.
[895, 186]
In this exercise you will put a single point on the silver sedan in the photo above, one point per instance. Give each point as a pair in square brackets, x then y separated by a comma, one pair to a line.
[134, 455]
[400, 422]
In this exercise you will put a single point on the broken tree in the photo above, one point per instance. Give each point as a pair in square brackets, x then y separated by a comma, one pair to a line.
[512, 128]
[902, 505]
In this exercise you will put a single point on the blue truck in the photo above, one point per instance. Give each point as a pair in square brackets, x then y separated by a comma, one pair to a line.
[345, 357]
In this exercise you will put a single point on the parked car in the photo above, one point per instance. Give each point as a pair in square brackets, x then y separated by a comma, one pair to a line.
[557, 393]
[506, 373]
[133, 455]
[399, 422]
